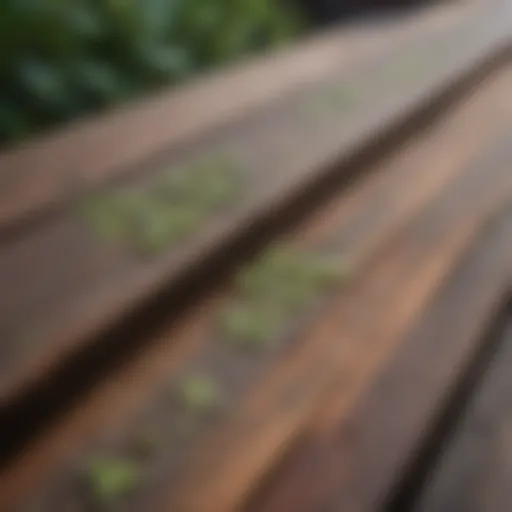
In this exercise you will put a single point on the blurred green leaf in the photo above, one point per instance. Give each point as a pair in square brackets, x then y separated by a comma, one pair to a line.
[99, 79]
[85, 21]
[166, 61]
[59, 59]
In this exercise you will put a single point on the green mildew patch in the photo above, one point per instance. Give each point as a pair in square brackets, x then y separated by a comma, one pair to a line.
[159, 217]
[218, 191]
[293, 297]
[324, 273]
[199, 394]
[163, 226]
[207, 184]
[297, 270]
[256, 283]
[218, 183]
[275, 289]
[112, 215]
[250, 326]
[257, 280]
[112, 479]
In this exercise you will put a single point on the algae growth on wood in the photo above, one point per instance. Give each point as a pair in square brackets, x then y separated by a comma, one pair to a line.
[155, 218]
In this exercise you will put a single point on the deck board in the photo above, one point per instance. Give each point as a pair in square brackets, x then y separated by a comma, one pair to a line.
[473, 470]
[406, 189]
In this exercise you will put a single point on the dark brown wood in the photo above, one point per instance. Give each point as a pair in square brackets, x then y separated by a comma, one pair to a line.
[409, 188]
[71, 294]
[473, 469]
[340, 344]
[45, 173]
[353, 460]
[405, 238]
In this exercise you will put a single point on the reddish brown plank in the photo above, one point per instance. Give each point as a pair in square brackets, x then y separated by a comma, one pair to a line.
[473, 470]
[244, 448]
[388, 215]
[352, 459]
[55, 168]
[460, 217]
[96, 287]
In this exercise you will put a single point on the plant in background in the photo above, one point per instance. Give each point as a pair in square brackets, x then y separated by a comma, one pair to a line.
[60, 59]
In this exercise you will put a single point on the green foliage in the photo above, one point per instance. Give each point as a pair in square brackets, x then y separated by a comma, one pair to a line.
[111, 479]
[60, 59]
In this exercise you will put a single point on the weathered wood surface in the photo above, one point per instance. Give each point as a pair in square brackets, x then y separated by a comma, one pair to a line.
[355, 459]
[33, 179]
[473, 470]
[410, 192]
[67, 288]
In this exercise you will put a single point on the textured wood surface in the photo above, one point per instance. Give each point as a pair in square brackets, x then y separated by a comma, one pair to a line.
[410, 190]
[473, 470]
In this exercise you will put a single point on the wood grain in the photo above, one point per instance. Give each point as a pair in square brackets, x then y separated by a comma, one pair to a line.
[353, 460]
[473, 471]
[448, 190]
[57, 167]
[335, 420]
[92, 287]
[341, 350]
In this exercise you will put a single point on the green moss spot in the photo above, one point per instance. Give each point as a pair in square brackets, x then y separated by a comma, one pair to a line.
[219, 191]
[216, 182]
[326, 272]
[255, 282]
[294, 297]
[163, 226]
[111, 479]
[280, 285]
[156, 218]
[200, 394]
[112, 216]
[251, 325]
[208, 184]
[104, 218]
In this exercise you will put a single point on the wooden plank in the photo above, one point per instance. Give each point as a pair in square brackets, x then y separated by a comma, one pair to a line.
[93, 286]
[352, 459]
[248, 443]
[55, 168]
[392, 204]
[474, 469]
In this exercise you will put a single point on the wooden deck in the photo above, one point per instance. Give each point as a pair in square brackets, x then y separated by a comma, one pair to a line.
[158, 373]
